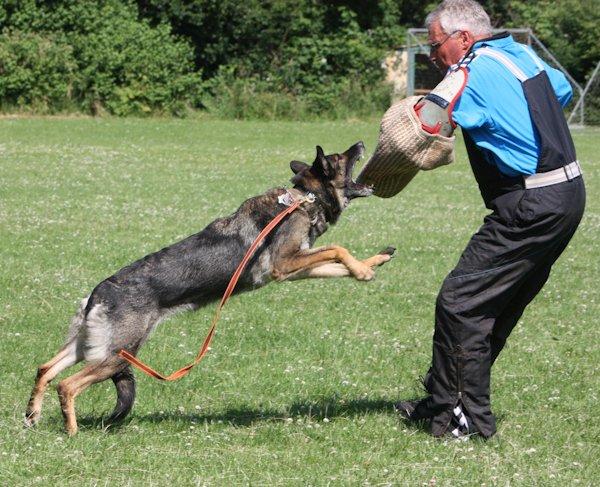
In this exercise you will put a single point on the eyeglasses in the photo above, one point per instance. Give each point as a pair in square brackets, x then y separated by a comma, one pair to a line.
[434, 46]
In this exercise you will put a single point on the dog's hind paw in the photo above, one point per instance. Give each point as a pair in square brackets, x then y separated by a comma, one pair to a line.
[31, 419]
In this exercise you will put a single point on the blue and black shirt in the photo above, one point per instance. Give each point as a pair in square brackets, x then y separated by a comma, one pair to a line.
[493, 109]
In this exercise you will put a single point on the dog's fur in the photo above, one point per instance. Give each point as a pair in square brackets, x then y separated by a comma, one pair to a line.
[122, 310]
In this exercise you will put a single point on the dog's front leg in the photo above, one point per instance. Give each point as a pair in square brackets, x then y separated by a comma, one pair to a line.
[324, 262]
[329, 269]
[335, 269]
[381, 258]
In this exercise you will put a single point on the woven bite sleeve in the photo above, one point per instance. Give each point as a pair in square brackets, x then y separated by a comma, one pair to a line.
[403, 149]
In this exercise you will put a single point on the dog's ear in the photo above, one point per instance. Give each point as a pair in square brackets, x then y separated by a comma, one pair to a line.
[321, 164]
[297, 166]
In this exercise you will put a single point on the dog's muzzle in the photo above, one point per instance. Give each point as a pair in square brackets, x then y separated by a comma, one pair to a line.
[354, 189]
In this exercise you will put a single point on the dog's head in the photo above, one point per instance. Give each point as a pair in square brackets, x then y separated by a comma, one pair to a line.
[330, 178]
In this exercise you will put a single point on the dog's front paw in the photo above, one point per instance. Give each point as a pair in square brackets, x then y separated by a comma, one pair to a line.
[363, 272]
[388, 251]
[381, 258]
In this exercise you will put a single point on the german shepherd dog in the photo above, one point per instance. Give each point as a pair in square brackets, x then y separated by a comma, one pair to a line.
[122, 310]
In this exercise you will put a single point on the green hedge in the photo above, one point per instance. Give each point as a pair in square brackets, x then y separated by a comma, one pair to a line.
[250, 59]
[335, 75]
[37, 72]
[93, 57]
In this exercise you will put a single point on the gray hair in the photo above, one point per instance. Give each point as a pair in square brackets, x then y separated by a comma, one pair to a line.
[465, 15]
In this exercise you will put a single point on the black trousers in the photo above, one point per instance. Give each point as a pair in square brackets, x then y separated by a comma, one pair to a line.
[502, 269]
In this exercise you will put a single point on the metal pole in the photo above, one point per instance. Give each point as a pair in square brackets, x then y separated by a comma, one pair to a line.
[410, 84]
[555, 61]
[581, 102]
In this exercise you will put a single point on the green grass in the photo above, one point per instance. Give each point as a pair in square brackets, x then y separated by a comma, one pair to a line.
[300, 384]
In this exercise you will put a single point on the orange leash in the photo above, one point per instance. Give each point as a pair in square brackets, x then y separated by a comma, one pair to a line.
[232, 283]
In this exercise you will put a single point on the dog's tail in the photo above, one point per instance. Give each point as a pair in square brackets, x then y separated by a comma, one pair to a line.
[125, 384]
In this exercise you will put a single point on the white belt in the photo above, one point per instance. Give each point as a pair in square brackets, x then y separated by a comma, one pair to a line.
[560, 175]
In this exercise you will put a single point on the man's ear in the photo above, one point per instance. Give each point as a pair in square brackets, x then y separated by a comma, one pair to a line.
[321, 163]
[297, 166]
[466, 39]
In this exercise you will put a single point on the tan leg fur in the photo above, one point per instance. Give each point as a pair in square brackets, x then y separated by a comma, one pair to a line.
[64, 359]
[331, 261]
[72, 386]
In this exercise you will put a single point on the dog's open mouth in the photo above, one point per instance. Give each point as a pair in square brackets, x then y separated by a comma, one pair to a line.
[354, 189]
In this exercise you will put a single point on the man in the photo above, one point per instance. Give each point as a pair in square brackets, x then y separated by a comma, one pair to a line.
[524, 161]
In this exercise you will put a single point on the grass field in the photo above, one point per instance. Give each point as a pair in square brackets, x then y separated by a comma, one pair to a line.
[300, 384]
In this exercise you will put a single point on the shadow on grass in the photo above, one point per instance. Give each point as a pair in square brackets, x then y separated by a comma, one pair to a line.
[312, 410]
[317, 410]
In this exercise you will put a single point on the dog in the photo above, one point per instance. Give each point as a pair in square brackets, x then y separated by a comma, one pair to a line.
[124, 309]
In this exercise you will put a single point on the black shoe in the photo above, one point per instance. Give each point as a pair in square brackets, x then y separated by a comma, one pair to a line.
[406, 408]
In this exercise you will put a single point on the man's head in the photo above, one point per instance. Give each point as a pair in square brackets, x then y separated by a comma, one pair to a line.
[453, 28]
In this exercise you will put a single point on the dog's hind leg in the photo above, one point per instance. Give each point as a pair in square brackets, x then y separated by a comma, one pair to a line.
[67, 357]
[69, 354]
[72, 386]
[125, 383]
